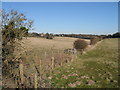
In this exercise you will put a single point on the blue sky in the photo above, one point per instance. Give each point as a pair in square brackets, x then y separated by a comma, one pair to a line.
[69, 17]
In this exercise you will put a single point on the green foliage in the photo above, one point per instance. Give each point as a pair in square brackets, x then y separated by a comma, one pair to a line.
[80, 44]
[15, 25]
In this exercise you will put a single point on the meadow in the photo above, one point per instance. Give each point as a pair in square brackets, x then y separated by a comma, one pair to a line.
[44, 64]
[97, 68]
[37, 55]
[39, 46]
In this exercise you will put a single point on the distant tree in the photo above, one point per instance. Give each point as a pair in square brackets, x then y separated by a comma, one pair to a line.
[116, 35]
[49, 36]
[109, 36]
[103, 36]
[33, 34]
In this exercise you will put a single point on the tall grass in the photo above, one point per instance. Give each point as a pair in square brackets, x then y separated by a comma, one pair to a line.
[42, 61]
[97, 68]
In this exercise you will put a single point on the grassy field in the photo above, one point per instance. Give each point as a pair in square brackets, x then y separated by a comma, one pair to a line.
[97, 68]
[35, 50]
[60, 43]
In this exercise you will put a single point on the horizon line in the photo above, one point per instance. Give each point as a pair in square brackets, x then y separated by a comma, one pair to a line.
[72, 33]
[59, 1]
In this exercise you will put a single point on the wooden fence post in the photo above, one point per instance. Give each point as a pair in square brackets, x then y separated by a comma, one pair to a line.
[53, 62]
[45, 55]
[67, 59]
[40, 69]
[71, 58]
[35, 80]
[21, 73]
[61, 63]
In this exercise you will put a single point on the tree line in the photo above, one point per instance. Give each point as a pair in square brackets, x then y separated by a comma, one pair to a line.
[82, 36]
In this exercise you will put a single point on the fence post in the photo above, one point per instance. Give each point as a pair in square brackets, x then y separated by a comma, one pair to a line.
[61, 63]
[67, 58]
[35, 80]
[21, 73]
[53, 62]
[45, 55]
[72, 58]
[40, 69]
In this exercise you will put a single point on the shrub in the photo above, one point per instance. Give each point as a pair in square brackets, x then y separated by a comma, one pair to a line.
[94, 40]
[80, 44]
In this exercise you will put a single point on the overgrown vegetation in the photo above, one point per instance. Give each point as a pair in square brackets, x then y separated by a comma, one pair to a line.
[95, 69]
[37, 59]
[30, 68]
[94, 40]
[80, 45]
[15, 26]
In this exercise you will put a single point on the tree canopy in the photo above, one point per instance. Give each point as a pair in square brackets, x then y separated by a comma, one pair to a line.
[15, 25]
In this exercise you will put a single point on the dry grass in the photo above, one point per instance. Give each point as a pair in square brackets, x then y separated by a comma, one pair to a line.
[36, 49]
[56, 43]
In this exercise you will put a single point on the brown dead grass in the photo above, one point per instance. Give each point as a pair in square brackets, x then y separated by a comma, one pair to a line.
[34, 50]
[56, 43]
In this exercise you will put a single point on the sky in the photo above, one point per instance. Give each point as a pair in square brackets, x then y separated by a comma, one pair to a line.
[69, 17]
